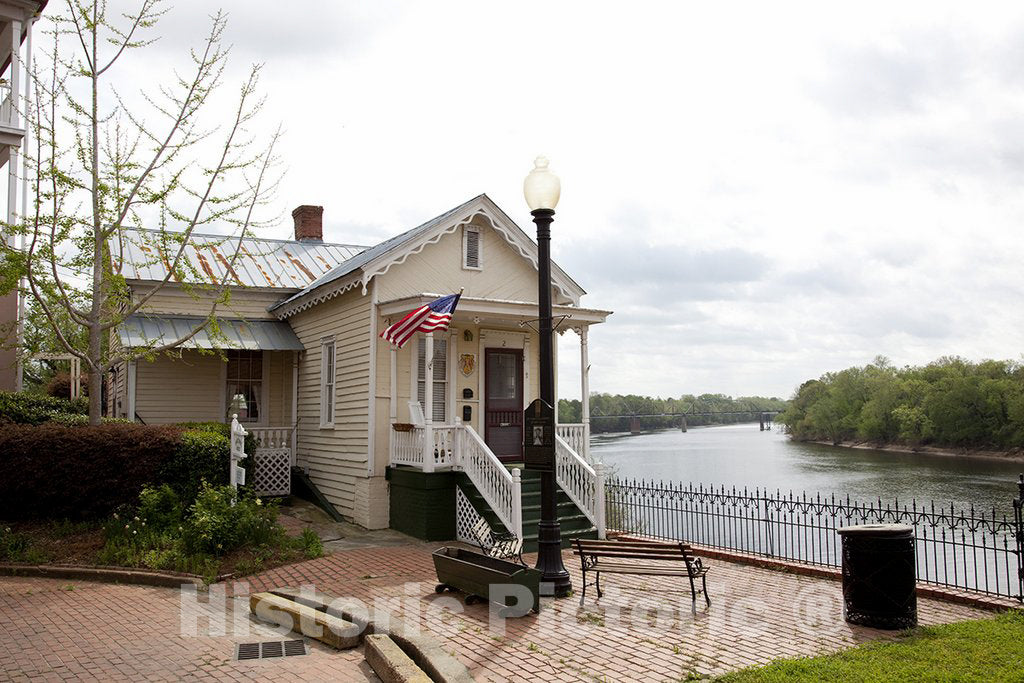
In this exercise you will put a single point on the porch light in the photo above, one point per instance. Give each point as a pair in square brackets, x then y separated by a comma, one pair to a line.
[541, 187]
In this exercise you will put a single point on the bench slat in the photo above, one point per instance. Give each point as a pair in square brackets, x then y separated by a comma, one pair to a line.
[653, 571]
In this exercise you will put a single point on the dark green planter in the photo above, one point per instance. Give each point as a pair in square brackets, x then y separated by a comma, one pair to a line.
[474, 574]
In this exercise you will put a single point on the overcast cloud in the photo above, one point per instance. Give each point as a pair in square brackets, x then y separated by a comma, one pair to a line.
[762, 191]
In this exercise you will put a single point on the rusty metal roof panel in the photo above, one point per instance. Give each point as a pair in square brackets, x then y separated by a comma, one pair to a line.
[148, 254]
[140, 331]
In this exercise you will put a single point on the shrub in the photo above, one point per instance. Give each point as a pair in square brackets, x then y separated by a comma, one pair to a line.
[160, 508]
[22, 408]
[197, 456]
[220, 428]
[59, 385]
[221, 520]
[55, 471]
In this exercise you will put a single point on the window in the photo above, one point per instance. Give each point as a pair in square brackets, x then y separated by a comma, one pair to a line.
[327, 383]
[440, 377]
[245, 385]
[471, 248]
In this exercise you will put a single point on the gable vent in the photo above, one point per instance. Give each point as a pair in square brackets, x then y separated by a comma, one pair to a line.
[471, 249]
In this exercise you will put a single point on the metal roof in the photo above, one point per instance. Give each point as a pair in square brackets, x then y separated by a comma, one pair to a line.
[147, 255]
[256, 335]
[369, 254]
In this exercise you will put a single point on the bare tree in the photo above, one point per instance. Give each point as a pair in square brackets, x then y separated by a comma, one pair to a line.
[102, 168]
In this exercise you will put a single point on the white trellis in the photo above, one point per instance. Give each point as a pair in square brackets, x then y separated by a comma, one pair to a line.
[271, 463]
[466, 519]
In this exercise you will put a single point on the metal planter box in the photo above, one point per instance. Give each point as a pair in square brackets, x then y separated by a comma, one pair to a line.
[475, 574]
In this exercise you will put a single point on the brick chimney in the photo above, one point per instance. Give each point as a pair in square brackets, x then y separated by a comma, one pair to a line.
[309, 223]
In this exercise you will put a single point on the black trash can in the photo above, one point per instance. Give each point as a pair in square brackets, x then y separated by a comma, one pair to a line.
[879, 576]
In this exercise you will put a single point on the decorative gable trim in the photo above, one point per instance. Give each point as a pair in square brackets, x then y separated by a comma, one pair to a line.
[337, 289]
[512, 235]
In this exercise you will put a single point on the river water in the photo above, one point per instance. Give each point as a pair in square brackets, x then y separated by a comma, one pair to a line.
[743, 456]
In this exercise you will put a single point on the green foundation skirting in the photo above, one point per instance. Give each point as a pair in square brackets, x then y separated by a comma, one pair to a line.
[423, 504]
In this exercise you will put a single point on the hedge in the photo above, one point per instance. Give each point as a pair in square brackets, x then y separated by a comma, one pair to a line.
[22, 408]
[59, 471]
[56, 471]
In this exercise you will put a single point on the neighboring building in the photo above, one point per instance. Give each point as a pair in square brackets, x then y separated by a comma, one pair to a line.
[16, 20]
[304, 318]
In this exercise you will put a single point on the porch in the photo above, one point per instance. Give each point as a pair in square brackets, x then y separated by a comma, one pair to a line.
[248, 369]
[462, 413]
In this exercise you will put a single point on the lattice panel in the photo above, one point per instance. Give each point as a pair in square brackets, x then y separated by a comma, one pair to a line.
[466, 519]
[272, 471]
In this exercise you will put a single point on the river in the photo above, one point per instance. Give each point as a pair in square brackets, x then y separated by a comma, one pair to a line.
[743, 456]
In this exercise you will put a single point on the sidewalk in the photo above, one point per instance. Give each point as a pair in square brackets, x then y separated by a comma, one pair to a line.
[54, 629]
[757, 615]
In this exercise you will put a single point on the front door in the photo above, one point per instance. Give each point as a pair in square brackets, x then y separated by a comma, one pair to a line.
[503, 404]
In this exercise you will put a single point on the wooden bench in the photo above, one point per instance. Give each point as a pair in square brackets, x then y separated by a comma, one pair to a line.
[657, 559]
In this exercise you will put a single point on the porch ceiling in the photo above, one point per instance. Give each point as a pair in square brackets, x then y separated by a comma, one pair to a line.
[495, 310]
[255, 335]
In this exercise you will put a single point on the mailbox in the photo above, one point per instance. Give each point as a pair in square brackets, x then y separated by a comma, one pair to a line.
[539, 437]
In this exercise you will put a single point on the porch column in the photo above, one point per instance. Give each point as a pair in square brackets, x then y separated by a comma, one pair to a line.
[392, 402]
[585, 390]
[295, 408]
[428, 404]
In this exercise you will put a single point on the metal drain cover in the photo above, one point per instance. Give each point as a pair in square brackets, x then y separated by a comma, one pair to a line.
[270, 649]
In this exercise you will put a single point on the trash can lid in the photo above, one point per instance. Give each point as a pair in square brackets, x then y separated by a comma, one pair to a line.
[876, 530]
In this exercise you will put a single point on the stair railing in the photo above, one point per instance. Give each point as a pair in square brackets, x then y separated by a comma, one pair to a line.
[501, 488]
[583, 483]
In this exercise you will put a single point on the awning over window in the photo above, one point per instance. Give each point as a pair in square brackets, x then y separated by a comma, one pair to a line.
[255, 335]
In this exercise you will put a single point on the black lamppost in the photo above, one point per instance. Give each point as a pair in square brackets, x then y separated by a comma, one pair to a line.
[542, 189]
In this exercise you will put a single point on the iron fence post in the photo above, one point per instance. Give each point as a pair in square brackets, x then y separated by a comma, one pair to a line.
[1018, 519]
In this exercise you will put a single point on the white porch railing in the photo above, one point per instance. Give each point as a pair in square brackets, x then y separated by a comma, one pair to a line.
[407, 448]
[275, 438]
[576, 436]
[430, 448]
[583, 483]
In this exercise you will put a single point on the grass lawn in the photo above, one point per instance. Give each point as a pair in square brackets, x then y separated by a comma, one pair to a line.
[984, 650]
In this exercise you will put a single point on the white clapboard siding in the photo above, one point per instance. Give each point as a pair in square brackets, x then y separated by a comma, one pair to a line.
[505, 274]
[179, 390]
[336, 457]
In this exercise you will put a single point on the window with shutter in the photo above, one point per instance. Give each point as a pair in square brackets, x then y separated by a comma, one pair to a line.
[440, 377]
[471, 248]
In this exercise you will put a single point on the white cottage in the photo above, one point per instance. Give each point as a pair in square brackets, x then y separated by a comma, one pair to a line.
[305, 369]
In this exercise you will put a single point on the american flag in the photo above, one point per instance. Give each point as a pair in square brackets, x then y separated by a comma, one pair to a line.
[427, 318]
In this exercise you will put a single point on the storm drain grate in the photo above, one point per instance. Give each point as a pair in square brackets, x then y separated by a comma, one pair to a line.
[270, 649]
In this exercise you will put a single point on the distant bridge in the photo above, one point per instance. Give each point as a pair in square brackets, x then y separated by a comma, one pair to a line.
[634, 425]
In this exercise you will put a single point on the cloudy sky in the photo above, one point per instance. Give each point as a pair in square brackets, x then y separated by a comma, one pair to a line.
[762, 192]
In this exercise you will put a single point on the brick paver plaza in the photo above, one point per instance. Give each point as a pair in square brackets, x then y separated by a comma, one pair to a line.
[110, 632]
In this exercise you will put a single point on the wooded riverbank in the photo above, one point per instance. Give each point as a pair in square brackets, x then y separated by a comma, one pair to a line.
[1013, 454]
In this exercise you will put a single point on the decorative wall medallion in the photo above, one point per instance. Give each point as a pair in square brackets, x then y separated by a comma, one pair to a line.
[467, 364]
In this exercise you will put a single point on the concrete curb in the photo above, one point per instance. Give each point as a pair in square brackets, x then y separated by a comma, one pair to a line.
[389, 662]
[139, 577]
[425, 651]
[311, 623]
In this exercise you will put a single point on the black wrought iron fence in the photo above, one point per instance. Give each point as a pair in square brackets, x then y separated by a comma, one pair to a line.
[960, 547]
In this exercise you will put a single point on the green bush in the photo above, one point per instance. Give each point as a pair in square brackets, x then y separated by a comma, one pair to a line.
[198, 456]
[34, 409]
[220, 428]
[221, 520]
[160, 508]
